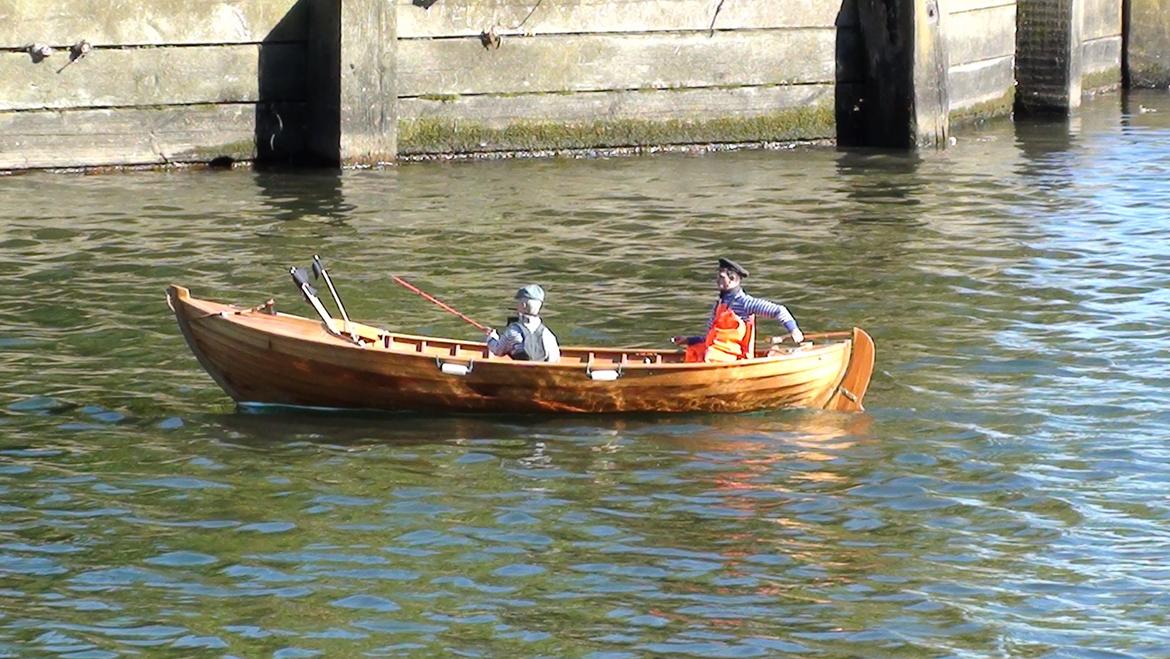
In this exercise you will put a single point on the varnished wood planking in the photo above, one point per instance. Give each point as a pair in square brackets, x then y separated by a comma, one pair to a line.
[155, 76]
[147, 136]
[151, 22]
[471, 17]
[608, 62]
[855, 383]
[313, 381]
[277, 359]
[317, 382]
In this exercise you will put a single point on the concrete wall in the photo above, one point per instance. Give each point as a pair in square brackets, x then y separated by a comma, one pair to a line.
[517, 74]
[1148, 43]
[166, 81]
[981, 47]
[1101, 46]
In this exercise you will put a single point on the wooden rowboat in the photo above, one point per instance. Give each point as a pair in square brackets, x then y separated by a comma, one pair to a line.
[260, 356]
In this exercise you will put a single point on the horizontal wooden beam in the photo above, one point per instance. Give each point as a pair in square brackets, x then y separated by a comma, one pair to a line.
[436, 135]
[151, 22]
[154, 76]
[609, 62]
[149, 136]
[684, 104]
[452, 18]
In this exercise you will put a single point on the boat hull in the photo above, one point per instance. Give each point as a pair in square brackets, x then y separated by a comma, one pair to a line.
[257, 356]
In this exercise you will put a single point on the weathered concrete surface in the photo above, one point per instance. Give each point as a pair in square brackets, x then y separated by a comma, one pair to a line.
[981, 44]
[1102, 19]
[149, 136]
[118, 77]
[982, 90]
[1101, 65]
[1049, 55]
[150, 22]
[1148, 48]
[1102, 45]
[981, 34]
[602, 62]
[449, 18]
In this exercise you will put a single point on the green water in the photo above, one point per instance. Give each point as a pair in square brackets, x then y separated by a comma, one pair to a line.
[1004, 495]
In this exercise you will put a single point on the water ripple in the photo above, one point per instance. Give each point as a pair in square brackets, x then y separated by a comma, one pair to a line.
[1003, 496]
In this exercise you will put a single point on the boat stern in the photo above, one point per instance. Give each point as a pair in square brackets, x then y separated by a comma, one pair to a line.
[855, 382]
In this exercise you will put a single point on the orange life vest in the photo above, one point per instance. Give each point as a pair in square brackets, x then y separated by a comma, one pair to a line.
[729, 339]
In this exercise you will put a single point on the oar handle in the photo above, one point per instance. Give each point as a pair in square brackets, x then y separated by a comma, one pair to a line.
[430, 298]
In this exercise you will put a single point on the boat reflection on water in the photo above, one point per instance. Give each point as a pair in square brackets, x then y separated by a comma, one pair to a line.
[764, 496]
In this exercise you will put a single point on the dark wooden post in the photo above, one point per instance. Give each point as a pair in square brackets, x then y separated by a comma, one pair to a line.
[352, 91]
[1048, 55]
[932, 107]
[905, 102]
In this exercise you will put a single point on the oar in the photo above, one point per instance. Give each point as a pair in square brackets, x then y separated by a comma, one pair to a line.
[301, 279]
[320, 272]
[429, 298]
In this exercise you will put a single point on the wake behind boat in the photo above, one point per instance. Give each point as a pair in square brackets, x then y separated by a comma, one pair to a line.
[258, 355]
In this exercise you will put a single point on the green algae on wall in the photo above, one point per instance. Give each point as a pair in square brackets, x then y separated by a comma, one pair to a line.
[240, 150]
[1106, 80]
[445, 136]
[993, 109]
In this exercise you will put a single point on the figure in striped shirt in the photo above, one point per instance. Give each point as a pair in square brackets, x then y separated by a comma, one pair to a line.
[729, 279]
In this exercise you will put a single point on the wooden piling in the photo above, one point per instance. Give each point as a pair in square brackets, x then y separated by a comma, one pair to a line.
[352, 85]
[905, 102]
